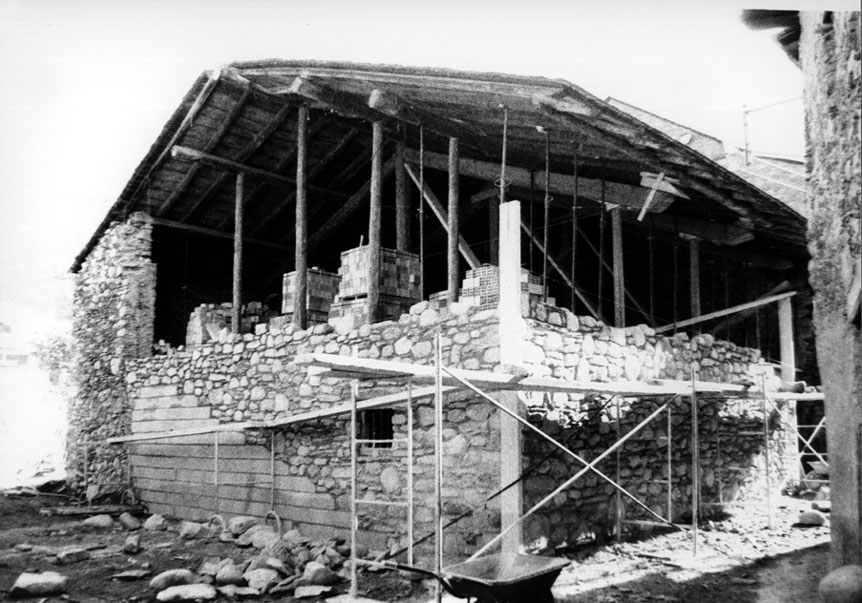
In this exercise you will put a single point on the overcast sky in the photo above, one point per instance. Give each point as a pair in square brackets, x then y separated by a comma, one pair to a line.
[86, 86]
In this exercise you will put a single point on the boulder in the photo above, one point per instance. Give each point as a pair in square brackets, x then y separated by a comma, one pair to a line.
[188, 592]
[132, 546]
[171, 577]
[251, 536]
[229, 573]
[129, 521]
[155, 523]
[318, 574]
[842, 585]
[190, 530]
[99, 521]
[261, 579]
[239, 525]
[209, 566]
[810, 518]
[31, 584]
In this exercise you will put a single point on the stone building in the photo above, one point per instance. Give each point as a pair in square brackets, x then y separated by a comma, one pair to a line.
[826, 46]
[271, 262]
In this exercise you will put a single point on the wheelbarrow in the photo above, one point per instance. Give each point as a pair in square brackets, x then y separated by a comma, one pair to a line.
[498, 578]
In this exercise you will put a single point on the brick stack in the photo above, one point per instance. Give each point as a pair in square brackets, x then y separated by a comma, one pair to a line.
[481, 287]
[399, 283]
[322, 289]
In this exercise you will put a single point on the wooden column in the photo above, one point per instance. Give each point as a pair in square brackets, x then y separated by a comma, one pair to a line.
[402, 201]
[236, 307]
[374, 254]
[494, 229]
[619, 273]
[452, 241]
[300, 293]
[694, 273]
[511, 334]
[785, 338]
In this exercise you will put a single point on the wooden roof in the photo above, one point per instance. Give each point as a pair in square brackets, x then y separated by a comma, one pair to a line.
[246, 113]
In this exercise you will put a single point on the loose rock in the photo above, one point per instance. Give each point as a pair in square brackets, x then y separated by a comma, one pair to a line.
[304, 592]
[188, 592]
[824, 506]
[99, 521]
[190, 530]
[318, 574]
[810, 518]
[155, 523]
[261, 579]
[72, 555]
[239, 525]
[129, 521]
[234, 592]
[171, 577]
[229, 574]
[130, 575]
[32, 584]
[132, 546]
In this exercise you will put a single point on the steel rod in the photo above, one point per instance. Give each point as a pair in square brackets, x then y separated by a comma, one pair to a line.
[695, 461]
[546, 215]
[617, 478]
[410, 471]
[574, 227]
[438, 463]
[669, 463]
[354, 587]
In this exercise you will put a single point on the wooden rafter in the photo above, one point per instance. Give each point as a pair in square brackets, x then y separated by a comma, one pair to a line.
[208, 147]
[315, 169]
[242, 156]
[219, 234]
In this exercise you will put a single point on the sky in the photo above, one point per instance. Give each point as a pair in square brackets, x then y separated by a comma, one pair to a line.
[85, 87]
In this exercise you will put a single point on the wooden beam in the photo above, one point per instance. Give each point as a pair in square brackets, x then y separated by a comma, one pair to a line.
[402, 201]
[328, 97]
[631, 197]
[374, 224]
[452, 229]
[694, 274]
[227, 165]
[347, 209]
[740, 316]
[210, 232]
[236, 307]
[209, 146]
[719, 233]
[619, 271]
[494, 228]
[560, 270]
[300, 255]
[727, 311]
[442, 216]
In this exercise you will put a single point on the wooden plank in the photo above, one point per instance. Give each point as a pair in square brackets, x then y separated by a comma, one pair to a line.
[726, 312]
[452, 229]
[175, 433]
[655, 186]
[494, 228]
[300, 255]
[332, 98]
[374, 224]
[619, 269]
[442, 216]
[236, 308]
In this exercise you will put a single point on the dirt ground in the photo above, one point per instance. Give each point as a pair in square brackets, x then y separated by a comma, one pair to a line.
[739, 561]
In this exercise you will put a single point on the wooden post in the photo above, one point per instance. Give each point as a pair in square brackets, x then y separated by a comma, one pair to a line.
[236, 307]
[512, 328]
[374, 222]
[494, 229]
[452, 246]
[300, 257]
[402, 201]
[694, 271]
[785, 338]
[619, 274]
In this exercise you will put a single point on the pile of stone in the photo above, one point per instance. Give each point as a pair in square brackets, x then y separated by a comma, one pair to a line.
[287, 564]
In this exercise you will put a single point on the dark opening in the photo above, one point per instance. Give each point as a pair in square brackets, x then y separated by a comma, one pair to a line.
[376, 425]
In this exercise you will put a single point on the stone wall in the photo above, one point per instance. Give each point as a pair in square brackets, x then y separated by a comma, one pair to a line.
[254, 377]
[730, 432]
[114, 302]
[830, 59]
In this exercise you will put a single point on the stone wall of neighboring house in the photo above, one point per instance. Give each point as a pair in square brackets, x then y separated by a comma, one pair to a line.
[830, 59]
[114, 303]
